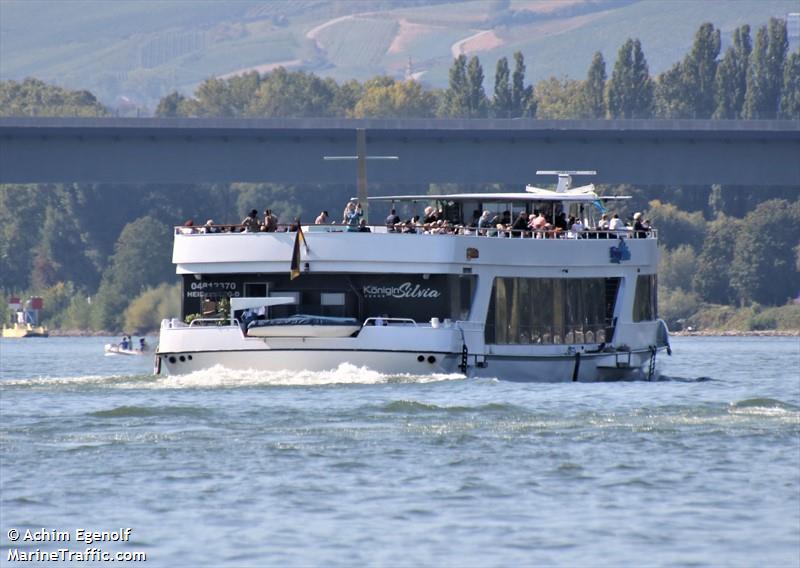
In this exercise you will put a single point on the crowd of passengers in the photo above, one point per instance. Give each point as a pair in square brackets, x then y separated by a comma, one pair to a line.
[535, 225]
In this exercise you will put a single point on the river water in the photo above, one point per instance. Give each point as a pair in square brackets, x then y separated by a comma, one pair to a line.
[351, 467]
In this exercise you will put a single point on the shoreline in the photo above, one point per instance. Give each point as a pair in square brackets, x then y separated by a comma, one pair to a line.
[737, 333]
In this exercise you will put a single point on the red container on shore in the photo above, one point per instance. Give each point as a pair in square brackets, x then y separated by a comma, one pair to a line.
[36, 303]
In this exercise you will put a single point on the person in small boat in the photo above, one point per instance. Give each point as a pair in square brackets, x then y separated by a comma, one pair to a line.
[362, 227]
[322, 218]
[125, 343]
[251, 224]
[142, 344]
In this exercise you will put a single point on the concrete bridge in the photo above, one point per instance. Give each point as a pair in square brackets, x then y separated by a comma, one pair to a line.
[641, 152]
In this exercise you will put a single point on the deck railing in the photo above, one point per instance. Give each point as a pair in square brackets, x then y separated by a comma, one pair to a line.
[456, 230]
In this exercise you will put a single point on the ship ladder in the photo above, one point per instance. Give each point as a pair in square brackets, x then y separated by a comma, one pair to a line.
[652, 369]
[464, 356]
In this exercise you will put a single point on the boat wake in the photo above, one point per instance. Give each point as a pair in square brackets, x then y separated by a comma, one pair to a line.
[345, 373]
[221, 377]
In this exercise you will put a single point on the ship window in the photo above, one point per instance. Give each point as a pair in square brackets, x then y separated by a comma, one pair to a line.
[645, 301]
[525, 311]
[331, 299]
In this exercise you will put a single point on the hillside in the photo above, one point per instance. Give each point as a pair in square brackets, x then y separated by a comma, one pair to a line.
[141, 50]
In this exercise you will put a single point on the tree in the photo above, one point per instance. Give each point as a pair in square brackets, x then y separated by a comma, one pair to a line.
[477, 102]
[712, 280]
[282, 94]
[730, 83]
[700, 67]
[398, 99]
[171, 105]
[595, 88]
[676, 227]
[765, 71]
[33, 97]
[523, 104]
[672, 99]
[559, 100]
[501, 101]
[141, 259]
[790, 97]
[764, 266]
[456, 98]
[630, 90]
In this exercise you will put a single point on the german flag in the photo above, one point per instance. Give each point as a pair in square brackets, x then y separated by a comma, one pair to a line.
[294, 268]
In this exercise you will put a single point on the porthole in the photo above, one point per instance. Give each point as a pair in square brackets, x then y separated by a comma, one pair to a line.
[182, 358]
[172, 359]
[189, 357]
[421, 358]
[431, 359]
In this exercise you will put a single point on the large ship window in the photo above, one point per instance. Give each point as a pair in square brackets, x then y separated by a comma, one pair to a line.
[645, 301]
[332, 304]
[525, 311]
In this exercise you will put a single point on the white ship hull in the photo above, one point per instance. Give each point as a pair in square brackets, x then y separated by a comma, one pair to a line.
[400, 350]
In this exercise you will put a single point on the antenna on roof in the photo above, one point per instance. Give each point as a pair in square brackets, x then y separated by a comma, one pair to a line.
[361, 157]
[565, 177]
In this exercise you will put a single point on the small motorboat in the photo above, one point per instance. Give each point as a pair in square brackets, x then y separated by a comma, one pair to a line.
[116, 349]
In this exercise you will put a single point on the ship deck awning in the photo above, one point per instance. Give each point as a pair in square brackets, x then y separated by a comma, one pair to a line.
[507, 197]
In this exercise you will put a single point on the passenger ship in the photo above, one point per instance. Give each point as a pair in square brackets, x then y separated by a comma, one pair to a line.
[485, 302]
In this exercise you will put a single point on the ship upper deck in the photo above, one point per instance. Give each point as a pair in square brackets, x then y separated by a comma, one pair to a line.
[332, 248]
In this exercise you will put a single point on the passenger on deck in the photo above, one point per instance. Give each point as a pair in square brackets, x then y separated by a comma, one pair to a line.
[518, 229]
[577, 228]
[639, 230]
[603, 223]
[362, 227]
[322, 218]
[352, 219]
[188, 228]
[430, 216]
[484, 222]
[561, 221]
[349, 208]
[270, 221]
[616, 223]
[251, 223]
[391, 220]
[210, 227]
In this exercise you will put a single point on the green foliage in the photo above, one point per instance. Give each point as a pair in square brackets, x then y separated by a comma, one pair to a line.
[476, 97]
[558, 100]
[395, 99]
[33, 97]
[456, 98]
[501, 101]
[595, 88]
[630, 90]
[712, 280]
[730, 84]
[676, 227]
[764, 267]
[171, 105]
[677, 268]
[20, 220]
[141, 259]
[752, 318]
[676, 306]
[145, 312]
[523, 103]
[790, 97]
[700, 69]
[765, 71]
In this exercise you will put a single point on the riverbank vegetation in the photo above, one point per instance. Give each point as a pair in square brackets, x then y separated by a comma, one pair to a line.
[100, 254]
